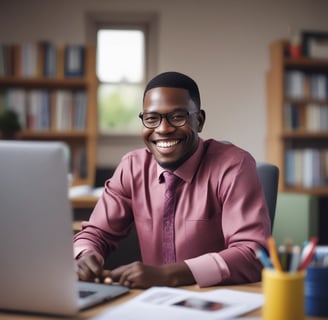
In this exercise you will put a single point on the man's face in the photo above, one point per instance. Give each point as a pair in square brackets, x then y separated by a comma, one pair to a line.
[170, 145]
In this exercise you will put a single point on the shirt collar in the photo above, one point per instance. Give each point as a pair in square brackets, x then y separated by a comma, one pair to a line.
[187, 170]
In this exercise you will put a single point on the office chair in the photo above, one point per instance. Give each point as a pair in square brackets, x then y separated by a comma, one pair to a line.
[269, 177]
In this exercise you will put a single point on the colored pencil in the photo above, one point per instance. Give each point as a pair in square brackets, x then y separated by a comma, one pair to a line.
[274, 254]
[265, 260]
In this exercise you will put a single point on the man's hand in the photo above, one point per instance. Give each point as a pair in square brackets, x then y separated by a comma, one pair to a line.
[89, 267]
[138, 275]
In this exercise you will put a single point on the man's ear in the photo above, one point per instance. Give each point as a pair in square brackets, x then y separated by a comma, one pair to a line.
[201, 119]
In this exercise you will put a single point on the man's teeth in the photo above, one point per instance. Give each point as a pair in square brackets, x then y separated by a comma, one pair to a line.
[167, 144]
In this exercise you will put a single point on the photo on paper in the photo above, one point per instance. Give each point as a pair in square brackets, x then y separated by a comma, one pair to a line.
[200, 304]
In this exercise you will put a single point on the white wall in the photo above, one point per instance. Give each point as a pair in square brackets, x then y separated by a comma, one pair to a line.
[222, 44]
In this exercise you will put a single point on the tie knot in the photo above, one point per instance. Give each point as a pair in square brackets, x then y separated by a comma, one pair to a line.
[171, 180]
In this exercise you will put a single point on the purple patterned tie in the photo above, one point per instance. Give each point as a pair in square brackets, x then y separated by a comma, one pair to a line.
[171, 182]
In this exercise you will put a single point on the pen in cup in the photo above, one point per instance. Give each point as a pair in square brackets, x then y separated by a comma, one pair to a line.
[307, 253]
[288, 258]
[264, 258]
[274, 254]
[295, 259]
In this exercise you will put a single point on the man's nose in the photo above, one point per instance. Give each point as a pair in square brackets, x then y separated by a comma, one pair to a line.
[165, 126]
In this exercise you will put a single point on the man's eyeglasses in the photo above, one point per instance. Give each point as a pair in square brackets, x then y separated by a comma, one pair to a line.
[152, 120]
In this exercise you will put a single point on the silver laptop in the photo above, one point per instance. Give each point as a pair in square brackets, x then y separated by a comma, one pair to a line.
[36, 267]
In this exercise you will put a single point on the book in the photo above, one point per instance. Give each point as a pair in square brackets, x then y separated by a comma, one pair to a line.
[6, 60]
[79, 110]
[49, 60]
[74, 61]
[295, 84]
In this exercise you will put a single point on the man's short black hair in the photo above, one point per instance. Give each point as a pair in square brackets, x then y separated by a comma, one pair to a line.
[174, 79]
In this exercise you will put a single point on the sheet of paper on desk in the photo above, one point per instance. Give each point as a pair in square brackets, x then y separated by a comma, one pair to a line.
[179, 304]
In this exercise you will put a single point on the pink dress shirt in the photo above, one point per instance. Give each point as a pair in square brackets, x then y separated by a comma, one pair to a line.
[221, 215]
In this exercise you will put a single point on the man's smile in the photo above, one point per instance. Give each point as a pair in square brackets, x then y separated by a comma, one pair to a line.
[166, 143]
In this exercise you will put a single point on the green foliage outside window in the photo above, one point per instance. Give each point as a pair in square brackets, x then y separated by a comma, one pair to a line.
[119, 106]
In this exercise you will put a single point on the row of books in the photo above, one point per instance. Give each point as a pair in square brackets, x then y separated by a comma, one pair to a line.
[41, 59]
[302, 85]
[311, 117]
[41, 109]
[306, 168]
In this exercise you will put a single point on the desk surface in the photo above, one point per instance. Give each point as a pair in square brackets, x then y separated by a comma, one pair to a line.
[84, 202]
[87, 314]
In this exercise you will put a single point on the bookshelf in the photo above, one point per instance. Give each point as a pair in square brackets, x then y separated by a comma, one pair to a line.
[297, 120]
[56, 101]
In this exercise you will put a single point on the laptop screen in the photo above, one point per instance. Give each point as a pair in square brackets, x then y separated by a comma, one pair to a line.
[37, 272]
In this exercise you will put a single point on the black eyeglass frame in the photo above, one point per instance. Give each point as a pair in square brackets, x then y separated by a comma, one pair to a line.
[166, 116]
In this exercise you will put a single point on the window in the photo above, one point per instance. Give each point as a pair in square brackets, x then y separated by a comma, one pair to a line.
[125, 60]
[121, 55]
[121, 72]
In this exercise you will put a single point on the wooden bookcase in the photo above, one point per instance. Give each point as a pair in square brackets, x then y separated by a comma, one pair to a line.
[297, 121]
[81, 141]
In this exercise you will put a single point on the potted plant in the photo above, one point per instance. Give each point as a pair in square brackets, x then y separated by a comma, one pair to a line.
[9, 123]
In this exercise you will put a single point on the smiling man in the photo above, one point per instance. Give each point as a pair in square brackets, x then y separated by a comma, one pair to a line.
[171, 141]
[220, 215]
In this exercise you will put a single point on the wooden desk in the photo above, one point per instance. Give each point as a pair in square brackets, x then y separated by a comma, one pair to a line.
[87, 314]
[84, 202]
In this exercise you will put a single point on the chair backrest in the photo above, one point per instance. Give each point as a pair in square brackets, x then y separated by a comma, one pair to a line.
[269, 177]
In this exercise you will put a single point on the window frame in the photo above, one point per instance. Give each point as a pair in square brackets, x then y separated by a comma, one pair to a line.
[146, 22]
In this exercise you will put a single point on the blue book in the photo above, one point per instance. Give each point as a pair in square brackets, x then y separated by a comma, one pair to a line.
[74, 61]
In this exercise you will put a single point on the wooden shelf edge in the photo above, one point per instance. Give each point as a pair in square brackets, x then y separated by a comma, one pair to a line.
[318, 191]
[302, 134]
[306, 63]
[48, 134]
[44, 82]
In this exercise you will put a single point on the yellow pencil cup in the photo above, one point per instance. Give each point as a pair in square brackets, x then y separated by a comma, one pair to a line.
[283, 294]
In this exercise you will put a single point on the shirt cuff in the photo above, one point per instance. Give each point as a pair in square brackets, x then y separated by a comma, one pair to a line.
[79, 251]
[208, 269]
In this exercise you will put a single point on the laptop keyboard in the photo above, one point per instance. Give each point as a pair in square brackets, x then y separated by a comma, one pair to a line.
[85, 293]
